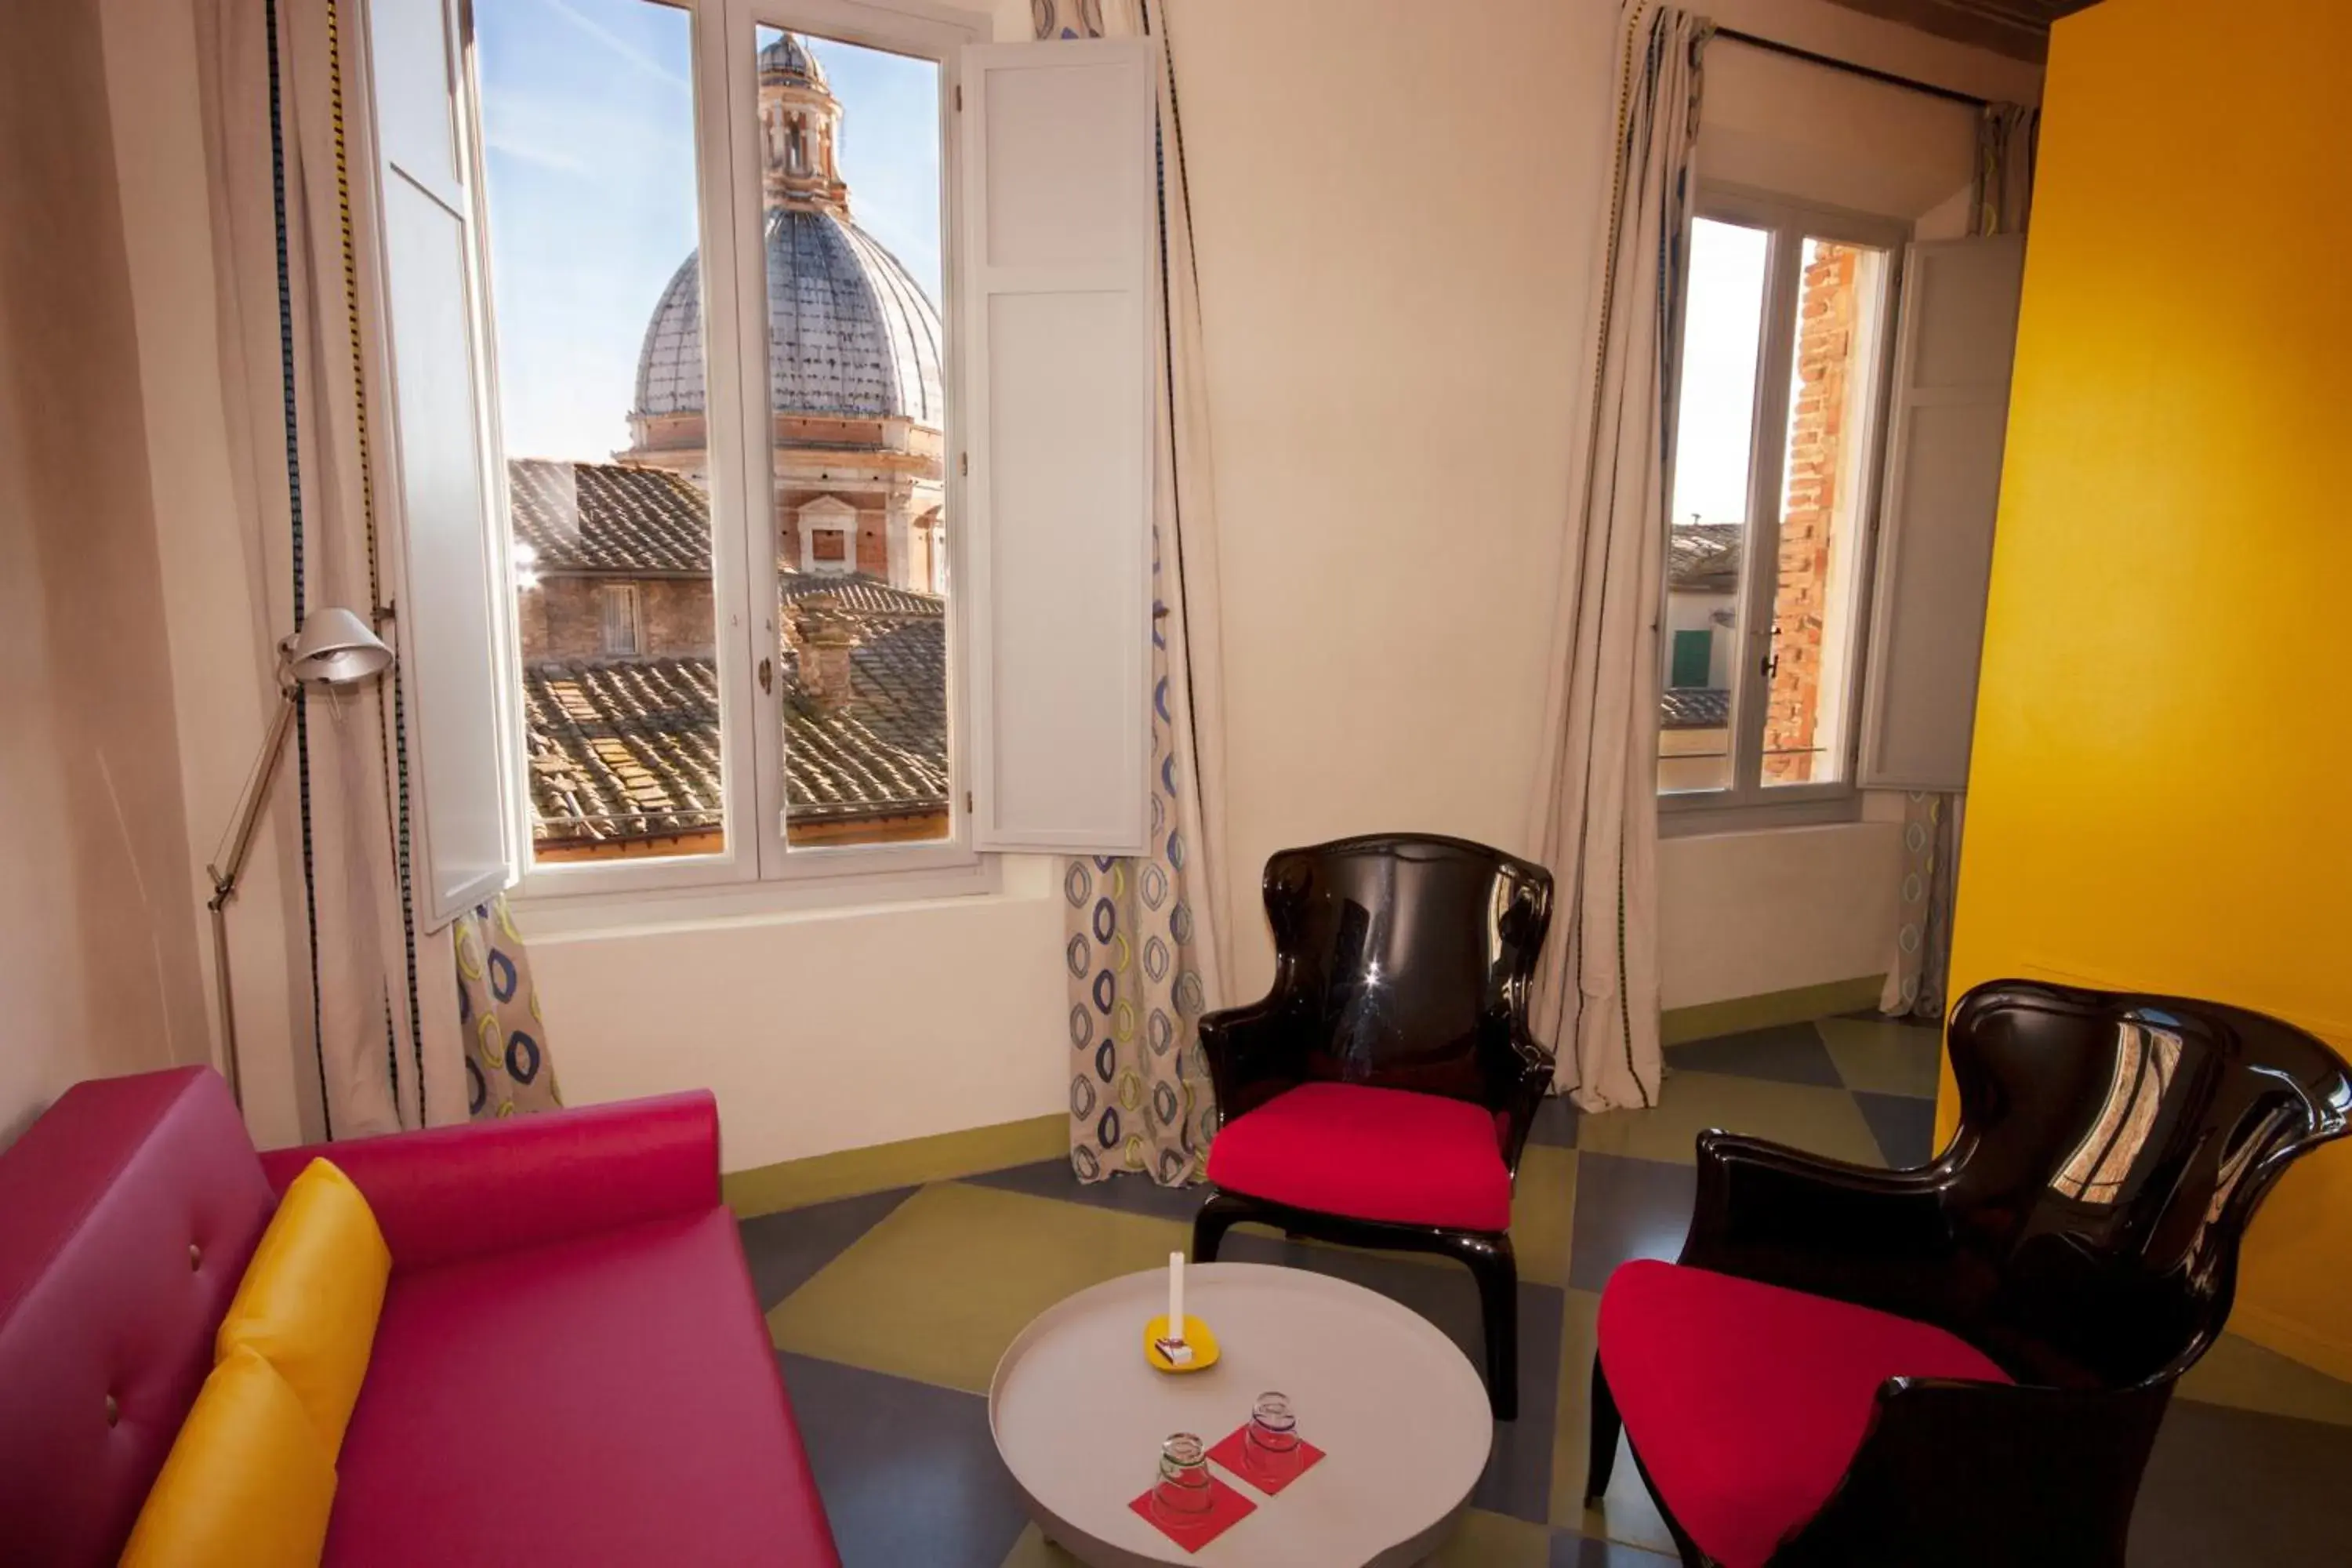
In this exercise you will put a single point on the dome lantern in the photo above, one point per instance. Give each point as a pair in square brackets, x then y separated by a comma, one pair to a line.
[800, 121]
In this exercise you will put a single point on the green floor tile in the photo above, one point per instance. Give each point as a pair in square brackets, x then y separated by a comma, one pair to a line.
[1820, 1120]
[1543, 1214]
[938, 1290]
[1034, 1550]
[1884, 1059]
[1626, 1513]
[2239, 1373]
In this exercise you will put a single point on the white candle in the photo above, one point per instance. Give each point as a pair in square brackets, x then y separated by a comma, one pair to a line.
[1176, 1296]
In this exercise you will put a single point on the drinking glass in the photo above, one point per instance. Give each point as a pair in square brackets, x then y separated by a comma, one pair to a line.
[1271, 1443]
[1182, 1493]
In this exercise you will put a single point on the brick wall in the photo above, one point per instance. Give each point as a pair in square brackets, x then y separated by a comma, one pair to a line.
[1826, 371]
[563, 617]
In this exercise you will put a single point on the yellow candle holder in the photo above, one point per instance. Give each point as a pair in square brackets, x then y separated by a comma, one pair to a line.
[1196, 1334]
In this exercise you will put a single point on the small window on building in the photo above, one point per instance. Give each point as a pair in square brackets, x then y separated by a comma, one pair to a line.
[829, 544]
[1693, 652]
[622, 634]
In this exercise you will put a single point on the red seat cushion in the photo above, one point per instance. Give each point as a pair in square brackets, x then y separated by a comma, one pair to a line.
[609, 1400]
[1746, 1401]
[1368, 1153]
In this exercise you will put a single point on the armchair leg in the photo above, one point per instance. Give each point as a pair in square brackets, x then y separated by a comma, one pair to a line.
[1497, 1268]
[1601, 1459]
[1218, 1213]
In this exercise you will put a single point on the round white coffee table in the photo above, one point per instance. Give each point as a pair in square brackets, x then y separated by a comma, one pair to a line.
[1397, 1410]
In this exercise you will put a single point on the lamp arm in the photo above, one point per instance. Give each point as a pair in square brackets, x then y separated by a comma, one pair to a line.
[226, 871]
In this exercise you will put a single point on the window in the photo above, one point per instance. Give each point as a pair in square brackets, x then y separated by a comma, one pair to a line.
[1777, 437]
[685, 306]
[620, 618]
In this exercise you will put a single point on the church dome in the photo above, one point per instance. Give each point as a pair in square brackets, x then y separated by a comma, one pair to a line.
[789, 60]
[850, 332]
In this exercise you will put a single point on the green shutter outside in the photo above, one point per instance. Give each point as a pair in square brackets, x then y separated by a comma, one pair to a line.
[1693, 653]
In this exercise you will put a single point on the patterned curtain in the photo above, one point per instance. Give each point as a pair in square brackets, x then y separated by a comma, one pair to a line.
[1916, 970]
[1143, 948]
[507, 1064]
[1596, 814]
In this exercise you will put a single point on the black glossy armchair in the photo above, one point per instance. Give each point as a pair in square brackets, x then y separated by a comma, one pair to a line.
[1381, 1093]
[1964, 1364]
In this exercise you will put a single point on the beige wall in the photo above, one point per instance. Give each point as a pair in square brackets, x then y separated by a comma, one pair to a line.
[1394, 214]
[98, 963]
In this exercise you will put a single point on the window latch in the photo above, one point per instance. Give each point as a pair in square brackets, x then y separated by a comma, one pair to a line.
[766, 675]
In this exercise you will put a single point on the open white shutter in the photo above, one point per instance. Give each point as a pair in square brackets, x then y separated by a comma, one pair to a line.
[1953, 345]
[1058, 260]
[438, 483]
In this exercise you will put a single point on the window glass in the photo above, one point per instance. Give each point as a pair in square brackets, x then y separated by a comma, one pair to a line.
[1816, 600]
[588, 136]
[849, 140]
[1722, 336]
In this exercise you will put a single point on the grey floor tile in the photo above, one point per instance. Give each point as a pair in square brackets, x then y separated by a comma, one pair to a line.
[1128, 1192]
[1790, 1053]
[785, 1250]
[1569, 1550]
[1904, 1127]
[1518, 1481]
[1625, 1209]
[1555, 1123]
[2235, 1486]
[909, 1472]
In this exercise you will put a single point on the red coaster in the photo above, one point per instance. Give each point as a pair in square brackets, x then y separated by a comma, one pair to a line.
[1227, 1508]
[1234, 1455]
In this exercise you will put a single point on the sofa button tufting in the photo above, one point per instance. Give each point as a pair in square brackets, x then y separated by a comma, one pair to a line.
[113, 1410]
[196, 1258]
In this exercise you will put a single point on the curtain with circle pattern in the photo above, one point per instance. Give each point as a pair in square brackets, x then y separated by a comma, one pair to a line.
[507, 1064]
[1142, 937]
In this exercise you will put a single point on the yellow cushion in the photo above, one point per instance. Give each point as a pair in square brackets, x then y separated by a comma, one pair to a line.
[248, 1483]
[310, 1297]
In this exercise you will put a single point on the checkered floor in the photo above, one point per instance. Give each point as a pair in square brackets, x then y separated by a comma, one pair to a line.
[889, 1310]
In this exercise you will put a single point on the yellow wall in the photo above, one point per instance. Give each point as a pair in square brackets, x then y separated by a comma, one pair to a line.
[2164, 737]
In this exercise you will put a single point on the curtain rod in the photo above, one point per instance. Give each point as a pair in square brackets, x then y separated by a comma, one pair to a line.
[1775, 46]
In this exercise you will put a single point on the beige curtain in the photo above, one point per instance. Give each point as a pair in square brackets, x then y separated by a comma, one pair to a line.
[310, 542]
[1596, 813]
[1916, 970]
[1146, 949]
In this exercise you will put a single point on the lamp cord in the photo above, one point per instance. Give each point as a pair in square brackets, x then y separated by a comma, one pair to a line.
[394, 752]
[294, 511]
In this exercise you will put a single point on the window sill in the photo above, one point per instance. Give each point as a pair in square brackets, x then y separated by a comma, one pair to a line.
[648, 913]
[1686, 817]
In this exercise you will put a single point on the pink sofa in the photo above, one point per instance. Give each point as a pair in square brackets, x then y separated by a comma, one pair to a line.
[571, 1367]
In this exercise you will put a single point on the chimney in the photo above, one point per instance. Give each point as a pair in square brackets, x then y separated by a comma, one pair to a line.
[825, 641]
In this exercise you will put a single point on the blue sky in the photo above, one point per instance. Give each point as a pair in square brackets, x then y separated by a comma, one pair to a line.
[588, 133]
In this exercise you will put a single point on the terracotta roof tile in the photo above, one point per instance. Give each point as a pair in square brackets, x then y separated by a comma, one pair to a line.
[608, 517]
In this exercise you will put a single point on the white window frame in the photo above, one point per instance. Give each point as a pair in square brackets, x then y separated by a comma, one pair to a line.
[740, 433]
[1748, 800]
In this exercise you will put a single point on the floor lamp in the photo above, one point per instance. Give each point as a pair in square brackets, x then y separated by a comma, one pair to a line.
[334, 650]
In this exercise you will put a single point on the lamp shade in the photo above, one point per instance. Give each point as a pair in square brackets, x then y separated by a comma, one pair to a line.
[335, 647]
